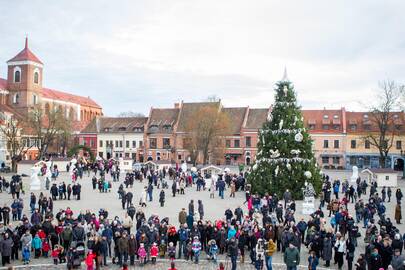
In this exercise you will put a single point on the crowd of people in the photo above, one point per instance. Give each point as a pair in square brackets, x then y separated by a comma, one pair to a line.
[253, 232]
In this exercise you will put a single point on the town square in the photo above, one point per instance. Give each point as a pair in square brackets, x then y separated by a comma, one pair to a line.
[202, 135]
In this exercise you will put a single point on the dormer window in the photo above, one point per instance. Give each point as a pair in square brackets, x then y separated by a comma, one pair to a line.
[122, 129]
[365, 116]
[17, 74]
[107, 129]
[153, 128]
[167, 128]
[325, 116]
[336, 116]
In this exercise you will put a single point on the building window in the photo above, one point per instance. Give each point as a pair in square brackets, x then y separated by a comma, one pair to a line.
[353, 160]
[325, 160]
[179, 157]
[91, 143]
[133, 144]
[34, 99]
[236, 143]
[367, 144]
[353, 144]
[17, 74]
[248, 141]
[121, 144]
[325, 144]
[228, 143]
[36, 77]
[326, 127]
[336, 144]
[398, 145]
[336, 127]
[166, 143]
[133, 155]
[116, 143]
[367, 127]
[127, 144]
[140, 143]
[336, 160]
[100, 154]
[16, 98]
[311, 126]
[152, 143]
[100, 143]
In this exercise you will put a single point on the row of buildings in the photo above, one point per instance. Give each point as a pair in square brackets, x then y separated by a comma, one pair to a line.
[338, 136]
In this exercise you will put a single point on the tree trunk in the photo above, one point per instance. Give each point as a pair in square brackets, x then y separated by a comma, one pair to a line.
[13, 165]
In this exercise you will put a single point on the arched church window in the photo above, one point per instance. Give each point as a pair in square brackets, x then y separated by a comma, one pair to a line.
[17, 75]
[36, 77]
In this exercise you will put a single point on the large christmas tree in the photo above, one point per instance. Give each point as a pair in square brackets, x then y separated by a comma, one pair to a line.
[285, 159]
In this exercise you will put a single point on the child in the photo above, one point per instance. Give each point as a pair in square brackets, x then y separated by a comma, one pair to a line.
[259, 262]
[172, 266]
[162, 248]
[90, 260]
[154, 250]
[221, 266]
[162, 198]
[189, 251]
[125, 266]
[213, 251]
[45, 248]
[55, 255]
[313, 261]
[196, 247]
[142, 254]
[26, 254]
[172, 251]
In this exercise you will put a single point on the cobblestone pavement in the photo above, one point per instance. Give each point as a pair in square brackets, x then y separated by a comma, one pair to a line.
[214, 209]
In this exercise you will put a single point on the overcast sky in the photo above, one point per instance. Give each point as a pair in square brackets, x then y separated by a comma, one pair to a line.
[131, 55]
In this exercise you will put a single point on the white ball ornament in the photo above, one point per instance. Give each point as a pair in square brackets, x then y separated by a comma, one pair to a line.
[298, 137]
[288, 166]
[308, 174]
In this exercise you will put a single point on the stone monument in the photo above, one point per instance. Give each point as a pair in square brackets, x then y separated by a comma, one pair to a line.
[35, 182]
[355, 174]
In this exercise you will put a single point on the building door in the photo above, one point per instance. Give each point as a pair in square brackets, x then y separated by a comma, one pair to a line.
[248, 161]
[399, 164]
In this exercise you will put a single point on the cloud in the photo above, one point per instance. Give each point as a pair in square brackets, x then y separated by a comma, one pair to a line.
[138, 54]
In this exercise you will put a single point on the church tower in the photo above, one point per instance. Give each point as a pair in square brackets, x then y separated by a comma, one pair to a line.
[24, 79]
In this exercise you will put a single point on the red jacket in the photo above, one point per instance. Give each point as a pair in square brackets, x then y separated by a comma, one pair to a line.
[154, 250]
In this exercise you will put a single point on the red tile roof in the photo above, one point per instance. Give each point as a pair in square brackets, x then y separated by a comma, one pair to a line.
[25, 55]
[256, 118]
[319, 118]
[188, 110]
[58, 95]
[236, 117]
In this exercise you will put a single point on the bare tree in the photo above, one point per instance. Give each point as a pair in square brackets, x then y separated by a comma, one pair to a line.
[130, 114]
[205, 129]
[16, 145]
[383, 119]
[46, 126]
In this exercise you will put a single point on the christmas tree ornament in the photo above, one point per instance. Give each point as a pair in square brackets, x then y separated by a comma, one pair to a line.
[288, 166]
[280, 125]
[298, 137]
[274, 153]
[269, 116]
[276, 171]
[285, 90]
[308, 174]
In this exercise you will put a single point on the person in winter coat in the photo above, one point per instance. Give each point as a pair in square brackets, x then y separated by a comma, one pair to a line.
[37, 245]
[132, 249]
[154, 251]
[291, 257]
[313, 261]
[398, 260]
[90, 260]
[271, 248]
[398, 215]
[327, 249]
[196, 248]
[143, 199]
[182, 216]
[123, 245]
[162, 198]
[6, 246]
[200, 209]
[142, 254]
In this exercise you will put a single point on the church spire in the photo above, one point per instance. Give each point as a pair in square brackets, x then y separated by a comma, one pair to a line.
[285, 77]
[26, 42]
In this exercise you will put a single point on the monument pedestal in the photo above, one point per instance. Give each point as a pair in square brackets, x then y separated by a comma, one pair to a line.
[308, 206]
